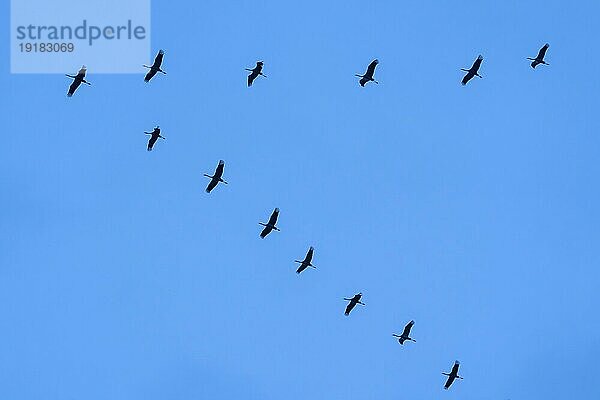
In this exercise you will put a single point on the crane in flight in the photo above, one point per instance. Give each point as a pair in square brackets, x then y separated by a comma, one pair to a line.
[368, 76]
[307, 262]
[216, 177]
[269, 226]
[353, 302]
[473, 71]
[539, 59]
[154, 135]
[405, 333]
[155, 67]
[255, 72]
[77, 80]
[452, 375]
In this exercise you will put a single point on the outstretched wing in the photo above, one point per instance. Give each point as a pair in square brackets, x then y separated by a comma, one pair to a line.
[211, 185]
[265, 231]
[309, 255]
[477, 64]
[150, 75]
[273, 218]
[349, 308]
[407, 328]
[158, 59]
[467, 78]
[455, 368]
[252, 77]
[301, 268]
[151, 142]
[219, 170]
[542, 52]
[371, 68]
[449, 382]
[73, 87]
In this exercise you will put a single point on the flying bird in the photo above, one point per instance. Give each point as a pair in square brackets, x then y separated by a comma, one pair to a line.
[269, 226]
[539, 59]
[217, 177]
[307, 262]
[353, 302]
[77, 80]
[255, 72]
[405, 333]
[155, 134]
[473, 71]
[452, 375]
[368, 76]
[155, 66]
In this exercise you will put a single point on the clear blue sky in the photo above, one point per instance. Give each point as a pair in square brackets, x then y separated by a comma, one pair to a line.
[472, 210]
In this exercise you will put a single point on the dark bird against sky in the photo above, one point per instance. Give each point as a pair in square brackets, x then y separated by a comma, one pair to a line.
[368, 76]
[154, 135]
[353, 302]
[255, 72]
[452, 375]
[539, 59]
[473, 71]
[269, 226]
[405, 333]
[155, 67]
[307, 262]
[217, 177]
[77, 80]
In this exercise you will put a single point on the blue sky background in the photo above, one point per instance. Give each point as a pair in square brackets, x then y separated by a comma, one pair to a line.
[472, 210]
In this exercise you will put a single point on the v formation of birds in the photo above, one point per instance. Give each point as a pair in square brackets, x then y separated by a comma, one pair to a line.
[268, 227]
